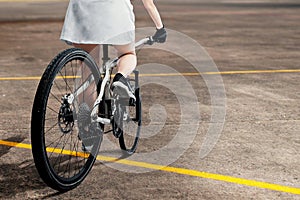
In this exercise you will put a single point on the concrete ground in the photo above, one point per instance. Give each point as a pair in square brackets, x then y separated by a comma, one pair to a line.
[255, 47]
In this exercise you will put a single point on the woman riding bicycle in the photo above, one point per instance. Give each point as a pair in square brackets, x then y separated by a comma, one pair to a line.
[89, 23]
[68, 119]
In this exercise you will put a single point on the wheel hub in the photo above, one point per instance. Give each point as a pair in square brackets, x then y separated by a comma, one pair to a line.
[65, 115]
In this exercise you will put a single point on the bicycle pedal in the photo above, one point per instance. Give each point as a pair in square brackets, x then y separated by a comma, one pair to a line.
[132, 102]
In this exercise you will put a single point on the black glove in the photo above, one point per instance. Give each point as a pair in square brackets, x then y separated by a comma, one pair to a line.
[160, 36]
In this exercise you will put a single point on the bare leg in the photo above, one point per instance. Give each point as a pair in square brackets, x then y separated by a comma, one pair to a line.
[128, 61]
[89, 95]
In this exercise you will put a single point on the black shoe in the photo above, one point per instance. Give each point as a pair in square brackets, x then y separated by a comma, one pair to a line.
[122, 87]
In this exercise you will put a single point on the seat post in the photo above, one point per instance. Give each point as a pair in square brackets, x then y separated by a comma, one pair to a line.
[105, 57]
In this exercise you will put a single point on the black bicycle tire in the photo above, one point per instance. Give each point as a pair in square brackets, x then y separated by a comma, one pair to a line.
[38, 122]
[130, 150]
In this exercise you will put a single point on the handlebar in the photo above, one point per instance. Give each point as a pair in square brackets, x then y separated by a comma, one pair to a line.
[148, 40]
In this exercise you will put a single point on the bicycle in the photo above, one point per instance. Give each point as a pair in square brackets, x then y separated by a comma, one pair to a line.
[66, 132]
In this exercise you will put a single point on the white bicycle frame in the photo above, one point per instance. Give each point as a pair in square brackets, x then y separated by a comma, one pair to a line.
[108, 66]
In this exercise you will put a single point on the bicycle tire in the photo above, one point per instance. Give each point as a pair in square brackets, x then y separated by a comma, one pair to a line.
[75, 165]
[129, 138]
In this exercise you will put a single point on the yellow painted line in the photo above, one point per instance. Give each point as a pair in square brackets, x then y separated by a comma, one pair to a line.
[258, 71]
[19, 78]
[15, 144]
[67, 152]
[189, 172]
[172, 74]
[227, 72]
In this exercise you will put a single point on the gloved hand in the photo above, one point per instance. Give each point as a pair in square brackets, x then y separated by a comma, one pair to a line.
[160, 36]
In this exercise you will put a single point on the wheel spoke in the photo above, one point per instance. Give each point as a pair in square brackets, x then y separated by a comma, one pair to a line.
[47, 131]
[61, 153]
[67, 84]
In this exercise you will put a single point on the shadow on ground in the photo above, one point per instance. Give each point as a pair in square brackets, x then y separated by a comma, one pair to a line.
[18, 177]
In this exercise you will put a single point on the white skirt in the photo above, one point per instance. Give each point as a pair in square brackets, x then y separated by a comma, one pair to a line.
[99, 22]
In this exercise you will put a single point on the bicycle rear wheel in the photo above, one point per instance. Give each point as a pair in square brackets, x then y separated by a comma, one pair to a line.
[58, 147]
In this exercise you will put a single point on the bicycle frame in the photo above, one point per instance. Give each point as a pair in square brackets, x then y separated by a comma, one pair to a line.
[107, 68]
